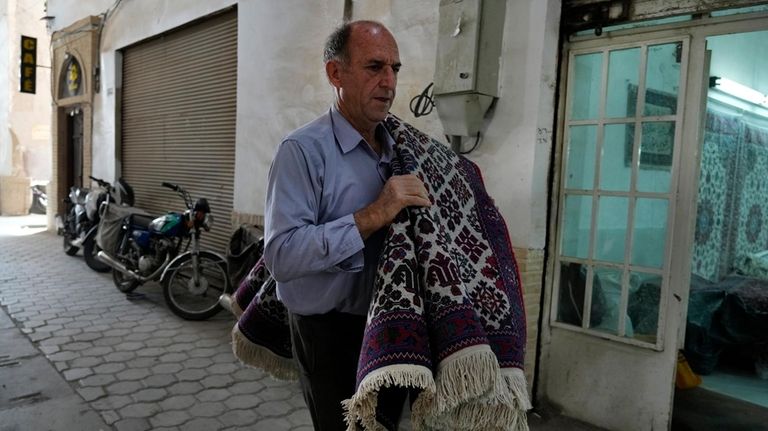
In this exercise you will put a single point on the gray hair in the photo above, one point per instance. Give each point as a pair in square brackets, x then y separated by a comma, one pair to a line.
[336, 46]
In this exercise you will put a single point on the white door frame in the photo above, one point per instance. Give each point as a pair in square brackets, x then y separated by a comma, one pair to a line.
[683, 224]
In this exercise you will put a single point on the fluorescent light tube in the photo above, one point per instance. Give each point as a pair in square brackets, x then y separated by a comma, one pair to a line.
[741, 91]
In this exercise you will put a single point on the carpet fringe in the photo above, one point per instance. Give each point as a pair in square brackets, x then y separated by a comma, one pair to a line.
[362, 406]
[518, 387]
[474, 394]
[256, 356]
[470, 374]
[469, 393]
[481, 417]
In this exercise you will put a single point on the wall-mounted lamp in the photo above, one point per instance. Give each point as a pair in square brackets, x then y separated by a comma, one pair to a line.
[740, 91]
[48, 21]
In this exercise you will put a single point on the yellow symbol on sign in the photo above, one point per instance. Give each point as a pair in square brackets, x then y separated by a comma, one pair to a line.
[27, 85]
[28, 43]
[73, 78]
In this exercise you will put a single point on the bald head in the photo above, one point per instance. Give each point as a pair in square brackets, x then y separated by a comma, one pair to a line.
[362, 62]
[337, 45]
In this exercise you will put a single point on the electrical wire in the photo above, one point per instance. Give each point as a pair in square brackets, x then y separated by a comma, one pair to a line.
[477, 142]
[97, 68]
[422, 104]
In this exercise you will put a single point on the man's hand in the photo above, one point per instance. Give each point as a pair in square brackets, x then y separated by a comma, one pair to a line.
[400, 191]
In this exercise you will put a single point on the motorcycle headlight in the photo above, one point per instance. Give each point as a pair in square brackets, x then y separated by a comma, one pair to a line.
[208, 221]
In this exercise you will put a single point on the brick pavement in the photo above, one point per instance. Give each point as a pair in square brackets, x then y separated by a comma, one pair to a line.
[133, 361]
[132, 364]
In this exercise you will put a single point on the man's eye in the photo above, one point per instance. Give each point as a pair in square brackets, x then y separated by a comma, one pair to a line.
[396, 69]
[375, 67]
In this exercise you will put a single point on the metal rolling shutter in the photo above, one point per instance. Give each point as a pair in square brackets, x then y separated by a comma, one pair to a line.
[178, 120]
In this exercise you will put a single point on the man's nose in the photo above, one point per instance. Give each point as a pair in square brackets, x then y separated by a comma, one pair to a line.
[389, 78]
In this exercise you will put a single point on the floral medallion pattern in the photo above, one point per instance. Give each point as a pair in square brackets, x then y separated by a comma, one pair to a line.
[704, 222]
[733, 195]
[718, 159]
[751, 233]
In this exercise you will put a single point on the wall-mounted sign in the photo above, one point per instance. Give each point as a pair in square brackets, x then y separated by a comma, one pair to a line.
[73, 77]
[28, 73]
[71, 81]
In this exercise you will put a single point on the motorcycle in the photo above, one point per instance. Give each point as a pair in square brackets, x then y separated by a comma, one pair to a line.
[39, 200]
[81, 222]
[150, 249]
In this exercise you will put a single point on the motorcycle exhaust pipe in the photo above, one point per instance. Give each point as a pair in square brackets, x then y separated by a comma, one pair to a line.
[105, 258]
[109, 260]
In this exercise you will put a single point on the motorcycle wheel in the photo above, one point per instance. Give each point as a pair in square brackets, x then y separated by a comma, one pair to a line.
[124, 283]
[196, 302]
[90, 248]
[69, 249]
[68, 232]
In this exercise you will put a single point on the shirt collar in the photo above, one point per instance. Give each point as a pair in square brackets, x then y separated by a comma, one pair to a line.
[348, 137]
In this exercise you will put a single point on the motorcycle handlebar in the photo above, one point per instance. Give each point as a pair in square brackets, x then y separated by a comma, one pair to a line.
[99, 181]
[173, 187]
[178, 189]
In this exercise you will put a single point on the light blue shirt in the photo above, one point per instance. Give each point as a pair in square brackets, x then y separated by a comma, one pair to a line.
[322, 174]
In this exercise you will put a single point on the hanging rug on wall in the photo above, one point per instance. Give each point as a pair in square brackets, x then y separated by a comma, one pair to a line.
[447, 318]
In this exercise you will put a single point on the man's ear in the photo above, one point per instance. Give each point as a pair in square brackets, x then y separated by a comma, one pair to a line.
[333, 71]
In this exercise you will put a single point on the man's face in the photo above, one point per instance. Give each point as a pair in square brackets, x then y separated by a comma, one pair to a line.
[366, 82]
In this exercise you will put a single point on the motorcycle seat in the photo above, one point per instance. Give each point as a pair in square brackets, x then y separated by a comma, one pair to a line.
[140, 220]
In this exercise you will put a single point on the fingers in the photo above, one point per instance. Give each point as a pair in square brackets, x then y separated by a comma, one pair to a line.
[409, 189]
[399, 192]
[421, 200]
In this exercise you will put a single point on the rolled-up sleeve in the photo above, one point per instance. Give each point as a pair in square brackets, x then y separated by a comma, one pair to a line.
[296, 244]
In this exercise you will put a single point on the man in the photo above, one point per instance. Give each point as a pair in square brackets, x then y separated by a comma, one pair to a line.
[330, 197]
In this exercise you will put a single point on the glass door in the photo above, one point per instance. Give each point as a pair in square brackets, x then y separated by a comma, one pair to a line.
[726, 337]
[621, 137]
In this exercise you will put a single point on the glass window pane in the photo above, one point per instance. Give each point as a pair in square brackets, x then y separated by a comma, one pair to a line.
[611, 228]
[638, 24]
[650, 232]
[643, 306]
[606, 300]
[662, 79]
[623, 72]
[615, 166]
[577, 218]
[657, 145]
[581, 157]
[587, 75]
[570, 303]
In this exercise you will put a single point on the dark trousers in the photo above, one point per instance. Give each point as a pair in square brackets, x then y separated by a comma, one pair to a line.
[327, 347]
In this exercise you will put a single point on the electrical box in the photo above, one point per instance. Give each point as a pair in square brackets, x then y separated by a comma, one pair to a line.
[468, 55]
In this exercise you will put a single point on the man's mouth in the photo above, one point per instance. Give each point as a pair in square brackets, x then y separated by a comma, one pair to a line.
[383, 99]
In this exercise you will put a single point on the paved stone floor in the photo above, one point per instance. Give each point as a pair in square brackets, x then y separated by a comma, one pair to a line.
[133, 361]
[75, 354]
